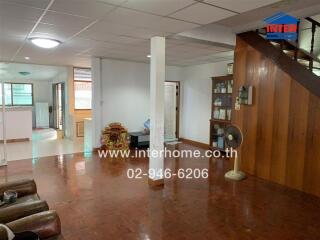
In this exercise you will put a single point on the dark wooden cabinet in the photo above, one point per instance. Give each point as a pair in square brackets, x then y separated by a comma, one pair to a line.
[221, 106]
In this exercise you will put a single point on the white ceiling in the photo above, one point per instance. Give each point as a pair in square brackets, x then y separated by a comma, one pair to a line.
[253, 19]
[118, 29]
[10, 72]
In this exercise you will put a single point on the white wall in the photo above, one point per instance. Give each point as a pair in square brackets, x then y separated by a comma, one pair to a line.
[42, 92]
[196, 96]
[125, 88]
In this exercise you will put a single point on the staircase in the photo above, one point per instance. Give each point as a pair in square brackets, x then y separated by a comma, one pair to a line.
[300, 51]
[301, 64]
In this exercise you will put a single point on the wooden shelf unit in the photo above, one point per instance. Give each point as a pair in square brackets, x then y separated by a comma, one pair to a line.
[221, 106]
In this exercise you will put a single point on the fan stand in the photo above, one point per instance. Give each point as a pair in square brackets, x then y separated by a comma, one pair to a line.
[235, 174]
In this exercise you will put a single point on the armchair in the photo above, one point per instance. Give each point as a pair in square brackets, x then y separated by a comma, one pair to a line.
[16, 211]
[27, 190]
[28, 213]
[46, 224]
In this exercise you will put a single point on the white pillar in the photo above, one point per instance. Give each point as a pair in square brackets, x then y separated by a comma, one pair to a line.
[3, 162]
[96, 68]
[157, 79]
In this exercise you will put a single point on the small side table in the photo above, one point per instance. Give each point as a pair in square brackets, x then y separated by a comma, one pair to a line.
[139, 139]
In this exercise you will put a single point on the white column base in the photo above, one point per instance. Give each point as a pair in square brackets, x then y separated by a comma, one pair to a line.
[235, 175]
[3, 162]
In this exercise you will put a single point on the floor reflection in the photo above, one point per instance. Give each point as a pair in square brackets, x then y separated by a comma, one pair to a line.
[96, 200]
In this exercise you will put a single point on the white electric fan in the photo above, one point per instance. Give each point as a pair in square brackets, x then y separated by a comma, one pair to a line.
[233, 139]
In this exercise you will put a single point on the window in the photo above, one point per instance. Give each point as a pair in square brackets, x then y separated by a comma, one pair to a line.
[17, 94]
[82, 89]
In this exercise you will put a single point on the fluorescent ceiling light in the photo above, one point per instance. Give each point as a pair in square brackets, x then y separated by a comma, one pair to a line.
[26, 58]
[45, 42]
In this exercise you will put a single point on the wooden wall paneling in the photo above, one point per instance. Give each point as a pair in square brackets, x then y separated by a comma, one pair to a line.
[266, 75]
[298, 119]
[240, 57]
[250, 113]
[311, 181]
[280, 127]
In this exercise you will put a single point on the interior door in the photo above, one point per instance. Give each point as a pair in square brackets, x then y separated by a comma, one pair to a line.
[170, 111]
[58, 106]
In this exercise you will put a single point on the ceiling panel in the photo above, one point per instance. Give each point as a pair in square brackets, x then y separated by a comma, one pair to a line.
[30, 50]
[32, 3]
[90, 9]
[122, 33]
[145, 33]
[104, 30]
[38, 72]
[241, 5]
[68, 22]
[114, 2]
[19, 11]
[16, 27]
[163, 7]
[202, 14]
[61, 33]
[9, 46]
[145, 20]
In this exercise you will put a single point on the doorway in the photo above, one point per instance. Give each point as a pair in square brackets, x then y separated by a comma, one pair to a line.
[171, 110]
[58, 110]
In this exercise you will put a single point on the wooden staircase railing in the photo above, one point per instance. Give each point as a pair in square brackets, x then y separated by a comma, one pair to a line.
[306, 58]
[285, 61]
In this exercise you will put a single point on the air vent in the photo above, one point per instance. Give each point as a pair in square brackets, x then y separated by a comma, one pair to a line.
[24, 73]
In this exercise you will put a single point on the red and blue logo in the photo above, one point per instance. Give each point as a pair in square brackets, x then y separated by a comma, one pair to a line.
[282, 26]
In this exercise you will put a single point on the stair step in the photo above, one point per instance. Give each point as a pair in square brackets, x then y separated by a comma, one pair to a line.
[300, 55]
[285, 45]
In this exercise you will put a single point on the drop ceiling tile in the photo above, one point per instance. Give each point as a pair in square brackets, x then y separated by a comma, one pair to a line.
[33, 51]
[197, 45]
[16, 27]
[202, 14]
[9, 46]
[173, 25]
[59, 32]
[163, 7]
[241, 5]
[65, 20]
[114, 2]
[125, 40]
[217, 48]
[8, 10]
[145, 33]
[132, 17]
[31, 3]
[83, 8]
[173, 42]
[103, 30]
[144, 20]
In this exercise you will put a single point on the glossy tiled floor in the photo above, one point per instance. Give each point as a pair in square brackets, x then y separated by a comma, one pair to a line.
[96, 200]
[44, 143]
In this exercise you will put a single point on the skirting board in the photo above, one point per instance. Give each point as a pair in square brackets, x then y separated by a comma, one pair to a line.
[16, 140]
[194, 143]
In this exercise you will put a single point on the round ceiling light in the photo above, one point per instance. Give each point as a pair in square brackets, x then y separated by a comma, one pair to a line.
[45, 42]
